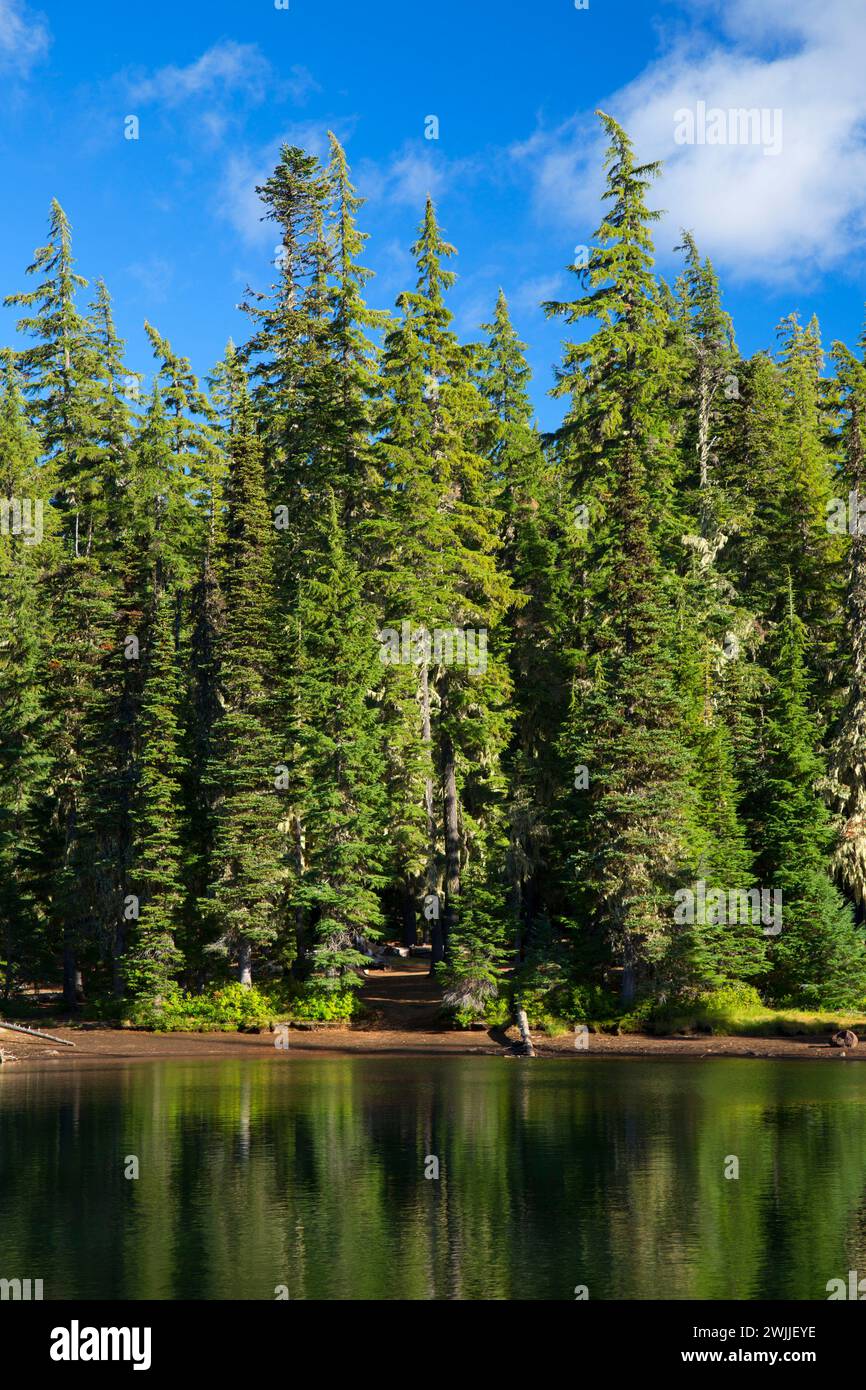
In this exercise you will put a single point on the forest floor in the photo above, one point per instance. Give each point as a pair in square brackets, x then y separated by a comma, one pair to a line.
[403, 1004]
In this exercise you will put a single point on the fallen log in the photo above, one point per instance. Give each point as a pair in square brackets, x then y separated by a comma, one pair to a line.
[34, 1033]
[525, 1045]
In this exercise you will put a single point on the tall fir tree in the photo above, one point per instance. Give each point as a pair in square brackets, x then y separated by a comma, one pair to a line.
[338, 737]
[819, 957]
[437, 541]
[247, 882]
[628, 829]
[151, 958]
[26, 543]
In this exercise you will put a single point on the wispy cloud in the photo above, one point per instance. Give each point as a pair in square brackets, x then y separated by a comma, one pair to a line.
[531, 294]
[24, 37]
[217, 89]
[155, 277]
[300, 84]
[411, 173]
[774, 218]
[227, 67]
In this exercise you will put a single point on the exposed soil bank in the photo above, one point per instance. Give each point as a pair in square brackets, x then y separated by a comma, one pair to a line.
[102, 1046]
[403, 1005]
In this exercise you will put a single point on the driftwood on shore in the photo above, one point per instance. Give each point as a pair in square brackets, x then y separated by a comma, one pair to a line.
[35, 1033]
[525, 1044]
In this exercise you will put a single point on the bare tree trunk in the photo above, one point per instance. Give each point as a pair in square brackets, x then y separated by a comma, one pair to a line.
[300, 935]
[410, 919]
[629, 980]
[118, 949]
[71, 976]
[452, 837]
[436, 937]
[245, 963]
[525, 1035]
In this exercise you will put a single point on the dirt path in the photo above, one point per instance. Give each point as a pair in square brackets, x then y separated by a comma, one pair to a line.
[403, 998]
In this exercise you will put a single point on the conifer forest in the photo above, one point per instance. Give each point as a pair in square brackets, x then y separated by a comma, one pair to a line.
[335, 646]
[432, 679]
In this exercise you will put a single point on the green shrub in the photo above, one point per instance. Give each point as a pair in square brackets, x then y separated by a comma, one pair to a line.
[495, 1014]
[235, 1008]
[319, 1003]
[579, 1004]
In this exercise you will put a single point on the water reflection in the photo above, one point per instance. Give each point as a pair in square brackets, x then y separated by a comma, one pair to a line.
[310, 1173]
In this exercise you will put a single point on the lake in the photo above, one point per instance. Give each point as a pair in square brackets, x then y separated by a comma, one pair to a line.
[317, 1178]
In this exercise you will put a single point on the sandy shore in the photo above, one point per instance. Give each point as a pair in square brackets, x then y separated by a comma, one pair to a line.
[403, 1020]
[103, 1046]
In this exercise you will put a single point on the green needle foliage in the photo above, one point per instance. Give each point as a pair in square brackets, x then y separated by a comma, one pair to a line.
[340, 649]
[244, 772]
[152, 959]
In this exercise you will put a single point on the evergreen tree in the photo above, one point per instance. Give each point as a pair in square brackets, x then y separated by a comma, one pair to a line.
[846, 774]
[152, 959]
[25, 741]
[338, 740]
[436, 541]
[247, 873]
[62, 374]
[628, 832]
[819, 957]
[532, 547]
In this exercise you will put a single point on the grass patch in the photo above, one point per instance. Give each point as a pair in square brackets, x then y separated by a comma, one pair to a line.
[739, 1012]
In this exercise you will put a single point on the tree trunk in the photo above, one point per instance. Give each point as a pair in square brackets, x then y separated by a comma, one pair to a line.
[299, 965]
[452, 838]
[71, 977]
[437, 943]
[525, 1035]
[245, 963]
[410, 919]
[117, 981]
[629, 980]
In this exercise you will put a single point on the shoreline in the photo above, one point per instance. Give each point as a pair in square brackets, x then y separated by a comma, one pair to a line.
[119, 1046]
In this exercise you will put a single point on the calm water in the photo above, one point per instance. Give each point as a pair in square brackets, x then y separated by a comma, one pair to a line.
[310, 1174]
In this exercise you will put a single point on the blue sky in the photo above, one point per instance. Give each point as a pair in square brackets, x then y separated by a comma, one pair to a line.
[171, 222]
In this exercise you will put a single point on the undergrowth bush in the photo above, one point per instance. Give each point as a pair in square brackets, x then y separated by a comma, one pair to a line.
[316, 1003]
[235, 1008]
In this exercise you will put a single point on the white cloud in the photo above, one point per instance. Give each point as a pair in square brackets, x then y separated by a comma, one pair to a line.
[24, 37]
[762, 216]
[413, 172]
[226, 67]
[531, 294]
